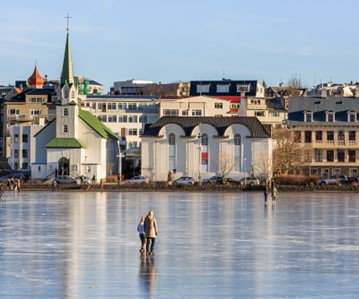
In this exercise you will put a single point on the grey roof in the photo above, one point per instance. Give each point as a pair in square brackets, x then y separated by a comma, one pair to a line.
[31, 91]
[220, 123]
[319, 106]
[276, 103]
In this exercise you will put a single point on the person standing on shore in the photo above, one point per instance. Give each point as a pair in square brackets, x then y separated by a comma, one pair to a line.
[151, 232]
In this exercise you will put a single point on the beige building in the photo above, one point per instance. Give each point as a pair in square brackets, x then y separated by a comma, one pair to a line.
[195, 106]
[328, 128]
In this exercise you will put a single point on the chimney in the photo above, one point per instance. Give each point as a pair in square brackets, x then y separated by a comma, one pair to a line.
[323, 92]
[356, 92]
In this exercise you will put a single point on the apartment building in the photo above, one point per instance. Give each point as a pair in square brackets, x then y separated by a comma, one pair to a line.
[328, 128]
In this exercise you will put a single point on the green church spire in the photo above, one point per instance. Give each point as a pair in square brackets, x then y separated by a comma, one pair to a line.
[67, 74]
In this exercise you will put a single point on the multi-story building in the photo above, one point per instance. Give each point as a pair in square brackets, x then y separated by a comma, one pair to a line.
[230, 90]
[22, 153]
[28, 107]
[129, 87]
[195, 106]
[328, 128]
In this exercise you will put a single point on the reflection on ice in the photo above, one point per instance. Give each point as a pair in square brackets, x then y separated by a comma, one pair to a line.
[209, 245]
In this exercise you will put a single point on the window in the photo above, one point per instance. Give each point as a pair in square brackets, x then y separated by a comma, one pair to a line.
[122, 119]
[172, 139]
[25, 165]
[352, 117]
[65, 130]
[16, 138]
[308, 136]
[25, 153]
[112, 119]
[218, 105]
[66, 112]
[308, 117]
[243, 87]
[102, 118]
[259, 113]
[352, 157]
[121, 106]
[14, 111]
[132, 119]
[204, 140]
[202, 88]
[184, 112]
[318, 136]
[341, 135]
[170, 112]
[25, 138]
[330, 135]
[132, 107]
[132, 132]
[341, 155]
[297, 136]
[351, 135]
[330, 117]
[111, 106]
[237, 139]
[223, 88]
[35, 112]
[196, 112]
[330, 156]
[72, 94]
[274, 113]
[318, 155]
[16, 153]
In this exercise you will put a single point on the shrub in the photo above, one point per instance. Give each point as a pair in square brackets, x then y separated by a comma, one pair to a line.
[296, 179]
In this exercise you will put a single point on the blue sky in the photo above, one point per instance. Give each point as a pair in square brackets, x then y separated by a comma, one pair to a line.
[168, 41]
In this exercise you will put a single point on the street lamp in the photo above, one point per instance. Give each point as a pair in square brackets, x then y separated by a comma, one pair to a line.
[199, 158]
[244, 159]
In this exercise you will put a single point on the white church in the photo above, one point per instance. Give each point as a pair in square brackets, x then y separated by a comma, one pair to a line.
[75, 142]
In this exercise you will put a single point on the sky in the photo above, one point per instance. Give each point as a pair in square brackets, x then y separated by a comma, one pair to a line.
[170, 41]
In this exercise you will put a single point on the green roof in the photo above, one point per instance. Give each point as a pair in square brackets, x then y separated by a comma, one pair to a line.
[98, 126]
[65, 143]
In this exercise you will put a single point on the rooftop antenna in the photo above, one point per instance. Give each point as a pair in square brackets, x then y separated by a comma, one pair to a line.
[68, 18]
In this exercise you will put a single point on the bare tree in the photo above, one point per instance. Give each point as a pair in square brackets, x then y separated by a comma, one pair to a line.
[289, 155]
[294, 85]
[224, 165]
[262, 167]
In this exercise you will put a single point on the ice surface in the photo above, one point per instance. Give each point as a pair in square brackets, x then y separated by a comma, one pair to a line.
[209, 245]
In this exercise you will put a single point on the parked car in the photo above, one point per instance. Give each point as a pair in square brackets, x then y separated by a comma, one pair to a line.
[251, 181]
[332, 180]
[350, 181]
[67, 179]
[213, 180]
[138, 179]
[84, 179]
[184, 180]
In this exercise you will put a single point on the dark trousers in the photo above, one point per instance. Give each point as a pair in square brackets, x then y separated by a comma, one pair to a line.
[150, 244]
[143, 240]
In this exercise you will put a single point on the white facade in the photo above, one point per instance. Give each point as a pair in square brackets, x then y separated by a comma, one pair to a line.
[22, 144]
[125, 116]
[195, 106]
[201, 148]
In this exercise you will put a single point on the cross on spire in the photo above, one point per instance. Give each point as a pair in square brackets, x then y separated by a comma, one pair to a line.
[68, 17]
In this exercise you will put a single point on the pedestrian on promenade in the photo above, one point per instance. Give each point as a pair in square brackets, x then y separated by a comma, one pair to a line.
[265, 193]
[101, 184]
[118, 179]
[141, 232]
[151, 232]
[93, 179]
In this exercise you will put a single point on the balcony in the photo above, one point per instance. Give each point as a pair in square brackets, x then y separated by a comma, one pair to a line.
[336, 144]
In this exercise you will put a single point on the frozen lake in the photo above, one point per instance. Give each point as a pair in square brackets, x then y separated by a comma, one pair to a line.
[210, 245]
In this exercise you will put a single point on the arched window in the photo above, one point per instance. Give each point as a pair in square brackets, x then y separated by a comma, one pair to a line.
[237, 152]
[65, 129]
[172, 151]
[204, 139]
[72, 94]
[237, 139]
[66, 112]
[172, 139]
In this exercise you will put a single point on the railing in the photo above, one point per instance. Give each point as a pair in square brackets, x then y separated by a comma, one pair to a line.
[336, 143]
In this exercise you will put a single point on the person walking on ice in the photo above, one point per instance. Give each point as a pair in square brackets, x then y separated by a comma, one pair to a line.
[151, 232]
[141, 232]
